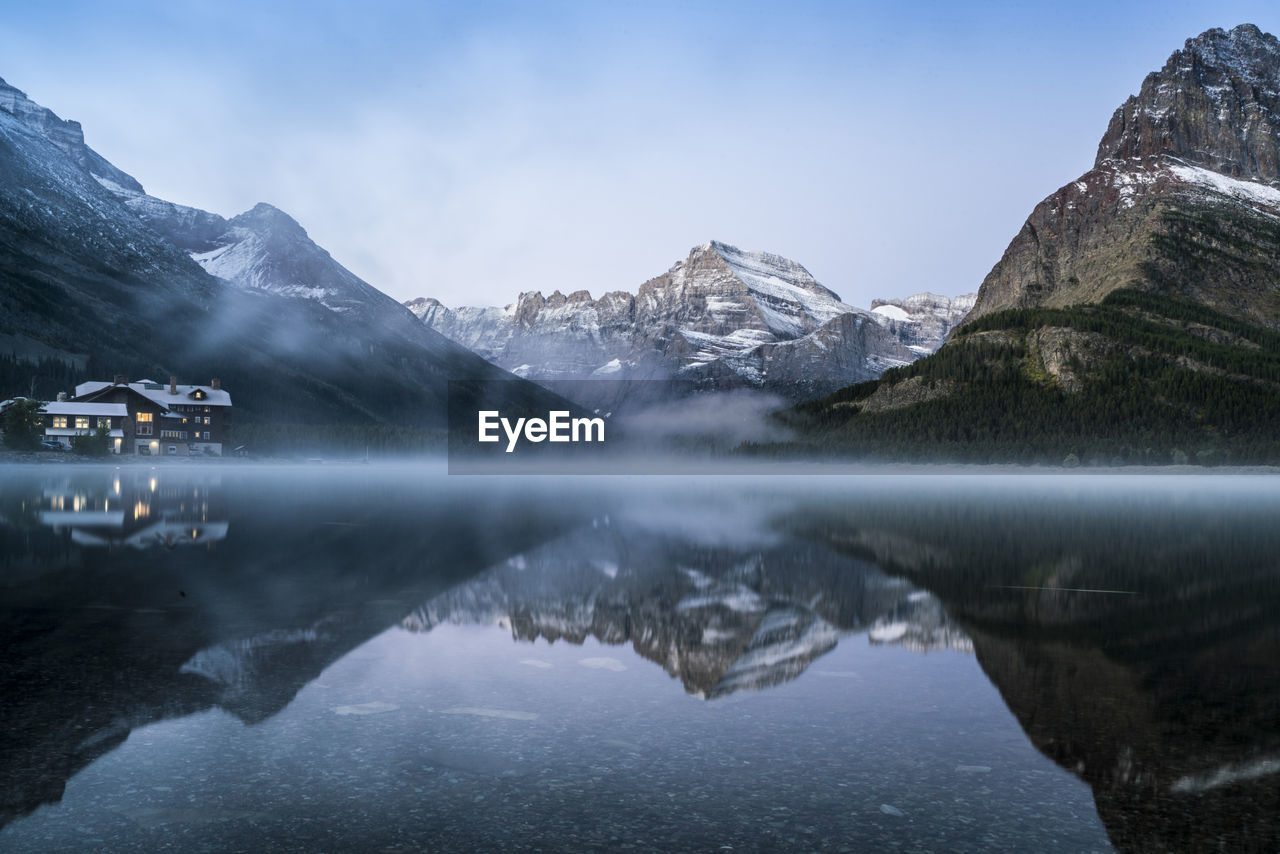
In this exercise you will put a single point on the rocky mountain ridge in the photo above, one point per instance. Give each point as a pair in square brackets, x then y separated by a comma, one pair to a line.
[91, 264]
[722, 317]
[1214, 104]
[1135, 317]
[1198, 140]
[67, 135]
[262, 249]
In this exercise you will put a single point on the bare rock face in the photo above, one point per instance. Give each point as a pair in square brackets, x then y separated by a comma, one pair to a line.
[1062, 352]
[1214, 104]
[906, 393]
[850, 345]
[723, 317]
[1181, 200]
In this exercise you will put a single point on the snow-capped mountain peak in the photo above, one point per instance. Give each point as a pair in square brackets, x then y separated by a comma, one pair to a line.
[722, 316]
[778, 293]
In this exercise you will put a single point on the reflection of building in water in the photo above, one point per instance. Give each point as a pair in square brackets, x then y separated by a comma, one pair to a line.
[138, 509]
[720, 619]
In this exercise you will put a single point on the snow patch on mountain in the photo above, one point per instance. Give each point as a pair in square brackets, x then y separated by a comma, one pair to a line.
[246, 262]
[892, 312]
[922, 321]
[1249, 192]
[783, 290]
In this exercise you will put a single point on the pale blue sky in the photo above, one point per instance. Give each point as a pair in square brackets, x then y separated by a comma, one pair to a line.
[470, 151]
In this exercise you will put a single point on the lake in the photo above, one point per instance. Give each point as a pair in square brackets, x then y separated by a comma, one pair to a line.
[386, 658]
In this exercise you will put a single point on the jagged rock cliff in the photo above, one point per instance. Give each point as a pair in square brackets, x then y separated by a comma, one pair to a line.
[67, 135]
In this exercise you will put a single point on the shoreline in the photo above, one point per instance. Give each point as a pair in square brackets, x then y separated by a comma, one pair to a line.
[667, 466]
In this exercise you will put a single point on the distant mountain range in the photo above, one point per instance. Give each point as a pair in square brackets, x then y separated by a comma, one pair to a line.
[99, 278]
[1135, 317]
[722, 318]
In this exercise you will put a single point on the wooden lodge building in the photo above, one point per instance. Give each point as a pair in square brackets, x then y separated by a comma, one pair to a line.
[145, 417]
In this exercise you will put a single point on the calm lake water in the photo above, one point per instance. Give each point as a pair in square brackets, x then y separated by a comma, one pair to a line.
[387, 659]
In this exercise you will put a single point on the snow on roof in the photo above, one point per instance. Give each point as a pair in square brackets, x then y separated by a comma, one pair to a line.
[72, 407]
[185, 396]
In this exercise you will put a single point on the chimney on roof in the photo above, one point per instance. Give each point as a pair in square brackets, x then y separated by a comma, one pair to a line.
[62, 397]
[173, 385]
[120, 380]
[215, 383]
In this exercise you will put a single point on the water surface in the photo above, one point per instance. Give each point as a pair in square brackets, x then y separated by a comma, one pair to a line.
[388, 659]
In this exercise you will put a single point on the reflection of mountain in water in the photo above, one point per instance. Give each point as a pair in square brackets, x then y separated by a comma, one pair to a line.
[720, 619]
[104, 631]
[919, 623]
[1138, 648]
[100, 640]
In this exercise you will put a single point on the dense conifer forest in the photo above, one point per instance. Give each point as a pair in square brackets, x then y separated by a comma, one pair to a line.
[1176, 382]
